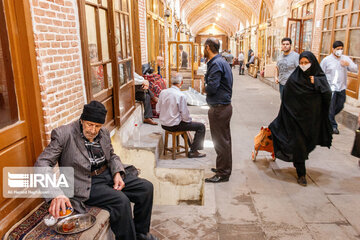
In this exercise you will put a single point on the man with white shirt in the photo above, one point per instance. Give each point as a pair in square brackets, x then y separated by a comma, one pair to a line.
[241, 63]
[175, 116]
[336, 66]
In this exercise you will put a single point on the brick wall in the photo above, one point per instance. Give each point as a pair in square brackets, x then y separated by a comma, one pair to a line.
[316, 39]
[143, 35]
[57, 43]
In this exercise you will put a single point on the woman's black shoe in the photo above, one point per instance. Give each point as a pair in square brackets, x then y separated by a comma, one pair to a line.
[302, 181]
[149, 236]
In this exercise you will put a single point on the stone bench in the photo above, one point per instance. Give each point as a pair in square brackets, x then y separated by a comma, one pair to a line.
[32, 226]
[172, 185]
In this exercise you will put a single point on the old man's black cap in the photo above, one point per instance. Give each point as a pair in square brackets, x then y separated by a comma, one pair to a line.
[94, 112]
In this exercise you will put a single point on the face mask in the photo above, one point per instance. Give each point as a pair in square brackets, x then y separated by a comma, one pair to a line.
[338, 53]
[305, 67]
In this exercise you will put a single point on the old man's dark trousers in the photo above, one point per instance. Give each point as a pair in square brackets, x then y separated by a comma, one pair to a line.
[137, 190]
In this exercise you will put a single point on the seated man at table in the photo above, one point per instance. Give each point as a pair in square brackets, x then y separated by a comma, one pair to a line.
[175, 116]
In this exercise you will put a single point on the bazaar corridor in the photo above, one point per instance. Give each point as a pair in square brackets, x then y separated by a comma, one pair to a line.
[135, 98]
[262, 199]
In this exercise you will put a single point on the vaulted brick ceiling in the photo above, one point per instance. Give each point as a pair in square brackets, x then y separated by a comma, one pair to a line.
[199, 14]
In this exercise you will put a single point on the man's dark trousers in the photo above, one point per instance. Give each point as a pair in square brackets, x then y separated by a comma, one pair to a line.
[137, 190]
[219, 119]
[147, 106]
[199, 128]
[281, 90]
[241, 69]
[300, 168]
[145, 97]
[336, 105]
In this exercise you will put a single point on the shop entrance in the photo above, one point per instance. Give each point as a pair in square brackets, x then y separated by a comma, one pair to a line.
[182, 57]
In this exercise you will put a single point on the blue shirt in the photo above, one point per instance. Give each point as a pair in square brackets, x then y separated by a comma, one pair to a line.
[218, 81]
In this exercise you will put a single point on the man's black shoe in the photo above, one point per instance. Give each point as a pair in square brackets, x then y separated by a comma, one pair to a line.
[214, 170]
[217, 179]
[335, 131]
[196, 154]
[149, 236]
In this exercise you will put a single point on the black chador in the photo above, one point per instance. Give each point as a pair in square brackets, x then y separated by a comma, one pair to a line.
[303, 119]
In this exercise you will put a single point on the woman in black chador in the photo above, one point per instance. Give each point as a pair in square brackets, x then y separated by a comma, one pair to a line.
[303, 120]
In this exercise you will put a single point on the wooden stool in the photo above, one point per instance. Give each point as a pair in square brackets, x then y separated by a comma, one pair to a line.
[175, 150]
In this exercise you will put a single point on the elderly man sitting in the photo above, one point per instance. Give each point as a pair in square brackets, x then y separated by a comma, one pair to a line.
[143, 94]
[252, 60]
[175, 116]
[100, 178]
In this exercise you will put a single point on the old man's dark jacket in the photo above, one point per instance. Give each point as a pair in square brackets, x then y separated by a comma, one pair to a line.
[67, 148]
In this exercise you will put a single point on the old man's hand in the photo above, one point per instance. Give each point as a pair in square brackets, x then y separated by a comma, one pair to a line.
[145, 85]
[59, 203]
[118, 182]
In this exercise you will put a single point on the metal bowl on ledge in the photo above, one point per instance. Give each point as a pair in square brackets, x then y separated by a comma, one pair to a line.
[75, 223]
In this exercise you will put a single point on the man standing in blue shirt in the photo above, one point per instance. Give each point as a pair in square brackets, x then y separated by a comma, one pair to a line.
[218, 86]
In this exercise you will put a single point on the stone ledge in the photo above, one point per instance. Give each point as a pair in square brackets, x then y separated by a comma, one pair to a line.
[172, 185]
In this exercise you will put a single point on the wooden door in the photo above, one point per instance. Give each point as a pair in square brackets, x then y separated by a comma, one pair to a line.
[105, 27]
[124, 64]
[20, 105]
[262, 45]
[98, 71]
[294, 31]
[307, 30]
